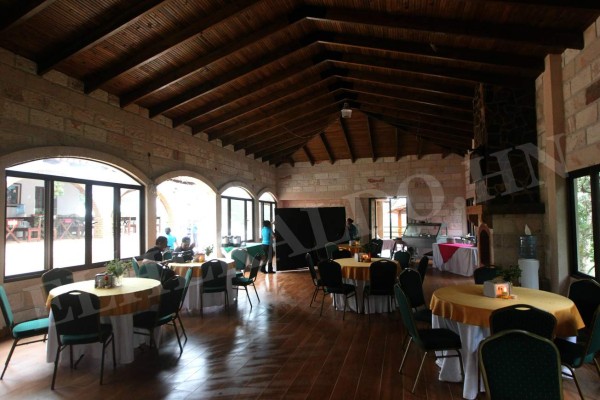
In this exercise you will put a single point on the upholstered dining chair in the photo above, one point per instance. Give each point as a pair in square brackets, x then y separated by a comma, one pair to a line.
[77, 318]
[240, 257]
[428, 340]
[341, 253]
[483, 274]
[250, 280]
[214, 280]
[412, 285]
[585, 293]
[136, 266]
[403, 257]
[186, 287]
[315, 278]
[21, 330]
[422, 267]
[382, 277]
[524, 317]
[330, 247]
[517, 364]
[56, 277]
[332, 281]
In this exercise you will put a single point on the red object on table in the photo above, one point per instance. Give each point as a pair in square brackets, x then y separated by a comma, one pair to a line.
[447, 250]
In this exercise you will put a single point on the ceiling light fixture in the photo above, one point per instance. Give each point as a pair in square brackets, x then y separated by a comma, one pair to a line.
[346, 111]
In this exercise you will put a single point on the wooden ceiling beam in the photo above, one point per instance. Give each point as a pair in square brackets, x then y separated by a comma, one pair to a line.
[398, 141]
[327, 147]
[110, 25]
[308, 155]
[346, 135]
[590, 5]
[21, 11]
[554, 40]
[150, 52]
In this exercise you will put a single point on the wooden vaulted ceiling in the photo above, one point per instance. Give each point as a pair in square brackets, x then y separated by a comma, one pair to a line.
[270, 77]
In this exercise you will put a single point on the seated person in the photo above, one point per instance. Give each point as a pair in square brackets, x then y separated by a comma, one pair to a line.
[185, 252]
[155, 254]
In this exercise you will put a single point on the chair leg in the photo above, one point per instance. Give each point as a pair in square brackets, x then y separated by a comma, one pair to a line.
[10, 353]
[248, 296]
[104, 344]
[255, 291]
[182, 327]
[177, 335]
[405, 353]
[314, 296]
[575, 380]
[345, 305]
[58, 350]
[419, 372]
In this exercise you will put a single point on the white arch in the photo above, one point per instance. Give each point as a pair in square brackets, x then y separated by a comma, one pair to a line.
[267, 190]
[237, 184]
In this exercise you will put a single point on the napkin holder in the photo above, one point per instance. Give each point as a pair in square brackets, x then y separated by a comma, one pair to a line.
[496, 288]
[104, 281]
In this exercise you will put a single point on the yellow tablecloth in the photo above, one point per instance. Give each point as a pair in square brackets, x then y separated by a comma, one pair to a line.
[181, 268]
[357, 270]
[136, 294]
[468, 305]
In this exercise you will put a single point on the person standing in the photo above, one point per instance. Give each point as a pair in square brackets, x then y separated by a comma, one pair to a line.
[171, 239]
[351, 229]
[267, 245]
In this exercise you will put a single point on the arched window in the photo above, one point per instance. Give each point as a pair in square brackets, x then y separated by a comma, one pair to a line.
[267, 204]
[69, 212]
[237, 214]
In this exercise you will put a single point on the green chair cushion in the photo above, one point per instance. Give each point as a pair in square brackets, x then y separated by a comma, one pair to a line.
[30, 328]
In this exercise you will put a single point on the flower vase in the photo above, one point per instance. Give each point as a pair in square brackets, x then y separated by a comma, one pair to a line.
[118, 281]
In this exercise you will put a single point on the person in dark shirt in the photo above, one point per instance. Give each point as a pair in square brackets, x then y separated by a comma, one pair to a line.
[351, 229]
[186, 250]
[154, 254]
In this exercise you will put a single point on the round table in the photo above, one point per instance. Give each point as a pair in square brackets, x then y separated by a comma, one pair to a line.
[117, 307]
[465, 310]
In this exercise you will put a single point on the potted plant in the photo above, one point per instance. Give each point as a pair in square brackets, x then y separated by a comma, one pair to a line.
[208, 250]
[511, 274]
[118, 268]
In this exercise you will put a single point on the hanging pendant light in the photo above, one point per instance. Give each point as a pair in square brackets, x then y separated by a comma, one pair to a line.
[346, 111]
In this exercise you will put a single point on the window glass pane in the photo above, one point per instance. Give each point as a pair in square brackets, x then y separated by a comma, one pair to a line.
[267, 197]
[103, 248]
[583, 225]
[238, 218]
[69, 224]
[224, 218]
[130, 217]
[249, 217]
[24, 226]
[75, 168]
[236, 192]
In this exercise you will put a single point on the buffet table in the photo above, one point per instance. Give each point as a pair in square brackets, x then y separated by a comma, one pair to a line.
[465, 310]
[457, 258]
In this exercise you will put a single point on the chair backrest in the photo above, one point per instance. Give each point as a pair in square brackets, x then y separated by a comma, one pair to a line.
[483, 274]
[341, 253]
[240, 257]
[422, 268]
[214, 274]
[9, 318]
[405, 307]
[375, 247]
[411, 284]
[524, 317]
[56, 277]
[517, 364]
[585, 293]
[151, 270]
[311, 267]
[136, 266]
[188, 280]
[330, 273]
[255, 267]
[171, 296]
[76, 313]
[330, 248]
[382, 276]
[403, 257]
[593, 343]
[167, 255]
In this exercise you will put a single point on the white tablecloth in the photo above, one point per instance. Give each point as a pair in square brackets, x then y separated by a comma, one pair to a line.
[462, 262]
[192, 300]
[377, 304]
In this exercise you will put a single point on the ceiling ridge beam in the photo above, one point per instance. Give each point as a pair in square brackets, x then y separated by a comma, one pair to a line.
[141, 56]
[106, 29]
[308, 155]
[288, 142]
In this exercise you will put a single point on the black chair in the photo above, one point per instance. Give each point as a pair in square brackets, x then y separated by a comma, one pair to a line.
[214, 280]
[244, 282]
[518, 364]
[374, 247]
[315, 278]
[412, 285]
[585, 293]
[21, 330]
[240, 257]
[575, 355]
[403, 257]
[484, 273]
[56, 277]
[428, 340]
[151, 270]
[188, 280]
[523, 317]
[331, 278]
[341, 253]
[382, 277]
[77, 318]
[422, 267]
[145, 322]
[330, 247]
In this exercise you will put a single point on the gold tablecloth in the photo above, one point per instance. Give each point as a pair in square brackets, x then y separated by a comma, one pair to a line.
[468, 305]
[135, 294]
[357, 270]
[181, 268]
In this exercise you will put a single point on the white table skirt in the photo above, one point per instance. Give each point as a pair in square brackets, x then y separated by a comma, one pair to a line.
[192, 300]
[377, 304]
[462, 262]
[470, 337]
[125, 342]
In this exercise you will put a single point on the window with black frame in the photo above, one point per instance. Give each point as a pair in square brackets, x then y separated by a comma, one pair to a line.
[237, 214]
[70, 213]
[584, 221]
[267, 205]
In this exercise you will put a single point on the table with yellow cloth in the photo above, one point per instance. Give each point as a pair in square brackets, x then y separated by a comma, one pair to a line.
[357, 274]
[465, 310]
[192, 300]
[117, 308]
